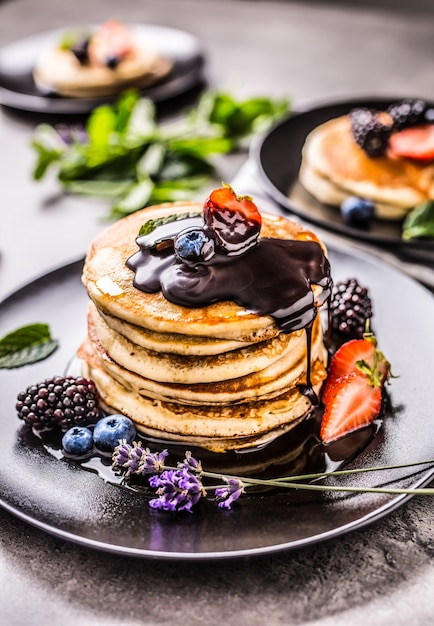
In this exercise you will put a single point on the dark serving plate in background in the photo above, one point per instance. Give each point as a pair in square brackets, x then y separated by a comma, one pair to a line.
[77, 505]
[18, 90]
[278, 156]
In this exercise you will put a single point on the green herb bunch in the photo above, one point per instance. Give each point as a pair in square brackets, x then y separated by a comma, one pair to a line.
[124, 154]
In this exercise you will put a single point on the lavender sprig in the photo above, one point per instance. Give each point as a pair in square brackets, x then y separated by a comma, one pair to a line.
[180, 488]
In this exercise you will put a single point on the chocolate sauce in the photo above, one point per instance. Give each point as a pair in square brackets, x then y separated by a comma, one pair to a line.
[275, 278]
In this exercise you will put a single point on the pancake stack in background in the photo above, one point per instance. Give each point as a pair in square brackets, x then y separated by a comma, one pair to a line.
[334, 166]
[217, 376]
[98, 62]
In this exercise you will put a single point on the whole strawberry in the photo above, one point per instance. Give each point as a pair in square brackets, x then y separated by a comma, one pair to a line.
[352, 395]
[234, 221]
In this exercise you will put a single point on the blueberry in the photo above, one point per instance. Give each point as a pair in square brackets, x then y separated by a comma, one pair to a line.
[77, 441]
[110, 429]
[112, 62]
[357, 212]
[194, 245]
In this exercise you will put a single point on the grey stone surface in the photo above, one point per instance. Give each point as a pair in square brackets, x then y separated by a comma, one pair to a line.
[379, 575]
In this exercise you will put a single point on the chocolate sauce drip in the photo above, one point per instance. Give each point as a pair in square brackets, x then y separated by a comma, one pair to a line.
[307, 389]
[274, 278]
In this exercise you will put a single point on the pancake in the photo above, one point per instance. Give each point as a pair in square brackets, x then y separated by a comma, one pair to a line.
[335, 167]
[58, 70]
[109, 283]
[219, 429]
[172, 343]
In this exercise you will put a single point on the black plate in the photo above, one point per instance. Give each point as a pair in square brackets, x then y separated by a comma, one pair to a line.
[18, 90]
[278, 155]
[79, 506]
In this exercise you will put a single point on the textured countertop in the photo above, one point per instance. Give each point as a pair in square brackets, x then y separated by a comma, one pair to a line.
[312, 52]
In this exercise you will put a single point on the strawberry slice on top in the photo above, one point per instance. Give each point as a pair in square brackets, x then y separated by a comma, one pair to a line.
[234, 220]
[353, 392]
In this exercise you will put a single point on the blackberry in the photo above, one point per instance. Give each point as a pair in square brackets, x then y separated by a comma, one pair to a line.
[59, 401]
[80, 49]
[370, 132]
[410, 112]
[350, 308]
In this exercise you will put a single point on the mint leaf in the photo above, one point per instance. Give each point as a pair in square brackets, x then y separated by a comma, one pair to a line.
[26, 345]
[27, 356]
[149, 226]
[420, 222]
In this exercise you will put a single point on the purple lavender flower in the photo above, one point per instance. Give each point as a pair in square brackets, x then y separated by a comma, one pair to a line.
[234, 488]
[137, 460]
[151, 462]
[178, 490]
[191, 463]
[121, 454]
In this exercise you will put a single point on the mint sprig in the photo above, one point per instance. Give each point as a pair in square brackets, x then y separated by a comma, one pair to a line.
[420, 222]
[26, 345]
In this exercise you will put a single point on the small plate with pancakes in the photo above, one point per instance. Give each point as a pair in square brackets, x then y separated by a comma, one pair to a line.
[309, 163]
[40, 74]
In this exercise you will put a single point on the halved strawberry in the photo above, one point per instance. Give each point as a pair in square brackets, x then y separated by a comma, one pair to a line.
[353, 390]
[353, 403]
[416, 142]
[234, 220]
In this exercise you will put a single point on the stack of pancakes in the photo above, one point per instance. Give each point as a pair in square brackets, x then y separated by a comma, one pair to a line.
[334, 167]
[58, 70]
[219, 377]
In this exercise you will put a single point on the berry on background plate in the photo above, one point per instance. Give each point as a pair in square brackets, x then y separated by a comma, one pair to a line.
[410, 112]
[358, 212]
[370, 131]
[415, 143]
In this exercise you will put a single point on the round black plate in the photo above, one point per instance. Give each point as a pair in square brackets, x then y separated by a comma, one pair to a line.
[18, 90]
[278, 155]
[79, 506]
